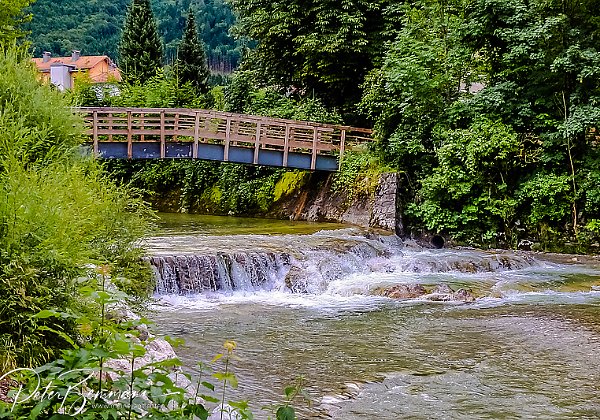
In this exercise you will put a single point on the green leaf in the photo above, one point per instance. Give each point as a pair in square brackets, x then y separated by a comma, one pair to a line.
[232, 379]
[122, 347]
[36, 411]
[208, 385]
[240, 405]
[197, 410]
[174, 342]
[219, 376]
[289, 391]
[285, 413]
[209, 398]
[47, 313]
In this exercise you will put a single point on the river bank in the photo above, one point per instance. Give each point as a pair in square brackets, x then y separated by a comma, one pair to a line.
[304, 196]
[369, 199]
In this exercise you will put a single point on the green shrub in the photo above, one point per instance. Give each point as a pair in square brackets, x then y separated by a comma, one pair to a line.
[359, 174]
[58, 214]
[36, 124]
[471, 193]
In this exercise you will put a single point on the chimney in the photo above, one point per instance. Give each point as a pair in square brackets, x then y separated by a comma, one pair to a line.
[75, 56]
[46, 56]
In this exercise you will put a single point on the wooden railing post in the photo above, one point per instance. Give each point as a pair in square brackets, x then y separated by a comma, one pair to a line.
[110, 126]
[342, 148]
[313, 160]
[129, 136]
[196, 136]
[176, 126]
[257, 142]
[163, 145]
[95, 134]
[286, 145]
[142, 137]
[227, 140]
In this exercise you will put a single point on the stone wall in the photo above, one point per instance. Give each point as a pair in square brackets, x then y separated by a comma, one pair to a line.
[384, 211]
[317, 202]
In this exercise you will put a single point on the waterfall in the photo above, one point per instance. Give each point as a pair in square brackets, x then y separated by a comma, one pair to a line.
[186, 274]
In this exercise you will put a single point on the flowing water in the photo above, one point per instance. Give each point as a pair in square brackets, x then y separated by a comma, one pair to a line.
[305, 299]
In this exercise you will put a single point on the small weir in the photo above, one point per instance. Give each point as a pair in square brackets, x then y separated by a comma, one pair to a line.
[310, 263]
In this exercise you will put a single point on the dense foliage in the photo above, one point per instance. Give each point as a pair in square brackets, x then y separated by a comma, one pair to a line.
[322, 46]
[11, 20]
[140, 50]
[94, 27]
[490, 109]
[58, 212]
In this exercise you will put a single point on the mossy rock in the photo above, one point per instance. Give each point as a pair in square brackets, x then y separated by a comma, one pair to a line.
[288, 183]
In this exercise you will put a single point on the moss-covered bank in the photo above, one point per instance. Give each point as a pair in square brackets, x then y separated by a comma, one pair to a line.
[231, 189]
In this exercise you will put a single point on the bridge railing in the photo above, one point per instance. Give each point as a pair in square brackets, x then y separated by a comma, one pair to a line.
[228, 129]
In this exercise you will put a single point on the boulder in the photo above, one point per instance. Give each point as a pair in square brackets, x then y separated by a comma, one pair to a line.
[442, 289]
[157, 350]
[463, 295]
[227, 412]
[402, 291]
[444, 293]
[295, 280]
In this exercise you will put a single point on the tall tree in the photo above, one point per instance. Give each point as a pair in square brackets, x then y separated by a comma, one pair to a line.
[191, 58]
[141, 54]
[409, 95]
[322, 46]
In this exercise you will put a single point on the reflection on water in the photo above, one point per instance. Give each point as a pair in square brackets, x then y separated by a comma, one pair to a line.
[529, 347]
[181, 224]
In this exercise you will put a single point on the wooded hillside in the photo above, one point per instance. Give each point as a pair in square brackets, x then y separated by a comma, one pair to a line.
[94, 27]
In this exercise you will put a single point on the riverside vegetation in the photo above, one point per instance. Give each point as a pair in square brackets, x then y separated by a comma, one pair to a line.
[68, 237]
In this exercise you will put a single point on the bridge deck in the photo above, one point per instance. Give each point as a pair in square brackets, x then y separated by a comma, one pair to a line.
[157, 133]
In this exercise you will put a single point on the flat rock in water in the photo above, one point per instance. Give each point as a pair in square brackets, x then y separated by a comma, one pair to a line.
[402, 291]
[440, 293]
[442, 289]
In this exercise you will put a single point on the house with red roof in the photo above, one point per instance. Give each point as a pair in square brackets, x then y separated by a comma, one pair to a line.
[64, 71]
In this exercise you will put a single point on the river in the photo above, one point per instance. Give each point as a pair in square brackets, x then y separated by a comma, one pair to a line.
[528, 347]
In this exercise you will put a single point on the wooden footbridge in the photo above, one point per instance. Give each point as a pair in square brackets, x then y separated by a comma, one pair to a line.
[156, 133]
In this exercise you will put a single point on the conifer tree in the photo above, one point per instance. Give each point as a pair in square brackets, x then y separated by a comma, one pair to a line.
[141, 54]
[191, 58]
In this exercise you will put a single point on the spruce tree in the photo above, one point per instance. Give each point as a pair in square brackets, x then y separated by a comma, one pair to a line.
[191, 58]
[141, 54]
